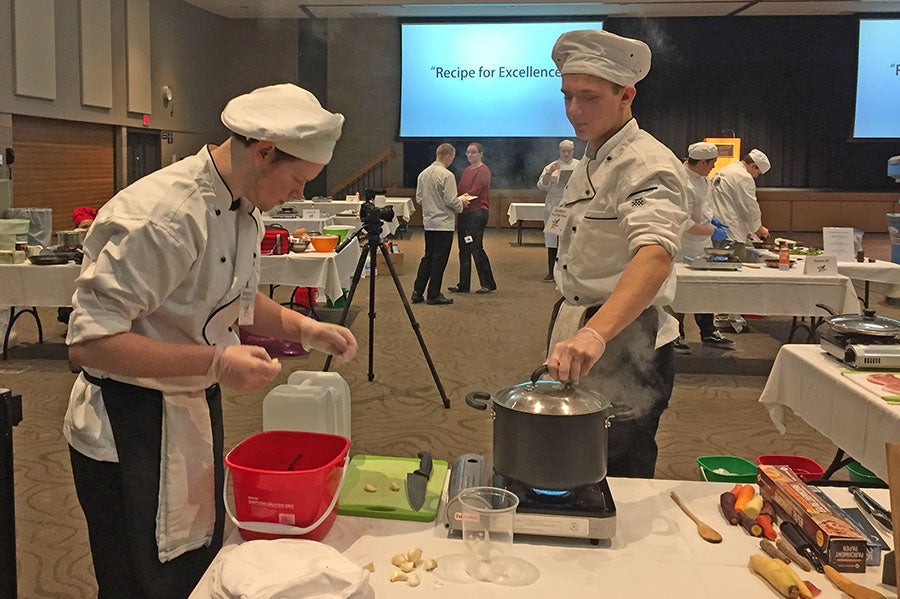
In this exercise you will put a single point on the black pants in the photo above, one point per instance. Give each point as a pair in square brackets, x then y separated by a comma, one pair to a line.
[704, 321]
[472, 224]
[120, 500]
[431, 269]
[632, 374]
[551, 260]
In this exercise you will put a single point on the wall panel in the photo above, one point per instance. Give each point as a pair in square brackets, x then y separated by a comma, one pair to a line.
[95, 36]
[34, 47]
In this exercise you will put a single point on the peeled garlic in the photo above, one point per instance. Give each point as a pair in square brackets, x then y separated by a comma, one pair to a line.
[395, 486]
[407, 566]
[369, 488]
[412, 580]
[398, 559]
[370, 567]
[414, 555]
[430, 564]
[398, 576]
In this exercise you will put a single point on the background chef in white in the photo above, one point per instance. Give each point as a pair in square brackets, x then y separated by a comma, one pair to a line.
[171, 263]
[626, 210]
[554, 182]
[734, 196]
[704, 228]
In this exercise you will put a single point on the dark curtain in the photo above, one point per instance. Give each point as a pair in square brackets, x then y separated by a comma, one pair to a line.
[785, 85]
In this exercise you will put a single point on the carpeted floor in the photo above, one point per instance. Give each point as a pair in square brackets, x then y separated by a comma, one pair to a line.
[481, 342]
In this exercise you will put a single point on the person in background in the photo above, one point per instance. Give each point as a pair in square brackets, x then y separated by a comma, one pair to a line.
[625, 209]
[83, 217]
[436, 194]
[553, 180]
[734, 196]
[701, 159]
[170, 263]
[476, 182]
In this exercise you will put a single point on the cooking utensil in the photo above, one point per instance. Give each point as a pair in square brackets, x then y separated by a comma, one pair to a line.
[866, 323]
[417, 481]
[70, 239]
[706, 532]
[547, 434]
[872, 507]
[47, 259]
[729, 251]
[803, 545]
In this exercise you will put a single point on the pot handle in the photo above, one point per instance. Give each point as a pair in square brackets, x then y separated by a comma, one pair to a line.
[538, 373]
[621, 411]
[478, 399]
[828, 309]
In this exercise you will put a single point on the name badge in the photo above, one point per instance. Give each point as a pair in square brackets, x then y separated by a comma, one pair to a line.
[468, 239]
[557, 221]
[312, 214]
[248, 301]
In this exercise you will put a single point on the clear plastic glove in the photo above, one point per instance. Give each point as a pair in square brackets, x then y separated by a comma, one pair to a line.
[719, 234]
[243, 367]
[573, 357]
[717, 223]
[329, 339]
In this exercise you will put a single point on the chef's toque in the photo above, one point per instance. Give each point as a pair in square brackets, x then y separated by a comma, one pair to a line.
[602, 54]
[567, 143]
[703, 150]
[288, 115]
[761, 160]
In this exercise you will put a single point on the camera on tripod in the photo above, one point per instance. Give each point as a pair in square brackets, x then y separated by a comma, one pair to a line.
[372, 215]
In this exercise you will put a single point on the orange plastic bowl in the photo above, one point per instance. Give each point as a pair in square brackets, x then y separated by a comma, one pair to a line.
[324, 243]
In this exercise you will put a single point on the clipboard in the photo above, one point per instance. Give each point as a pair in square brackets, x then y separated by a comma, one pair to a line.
[564, 177]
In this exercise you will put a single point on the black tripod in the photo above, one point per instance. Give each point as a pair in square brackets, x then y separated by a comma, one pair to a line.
[372, 230]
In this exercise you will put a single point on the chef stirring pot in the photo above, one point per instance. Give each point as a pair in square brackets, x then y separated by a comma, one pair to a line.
[547, 434]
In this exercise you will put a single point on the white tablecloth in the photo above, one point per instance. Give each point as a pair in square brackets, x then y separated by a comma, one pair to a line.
[656, 552]
[811, 385]
[765, 291]
[312, 225]
[27, 284]
[525, 211]
[403, 207]
[328, 271]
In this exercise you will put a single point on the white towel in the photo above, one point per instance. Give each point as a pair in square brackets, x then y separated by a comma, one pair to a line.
[287, 569]
[186, 513]
[569, 319]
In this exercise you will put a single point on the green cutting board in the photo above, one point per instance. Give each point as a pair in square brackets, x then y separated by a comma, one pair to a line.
[380, 472]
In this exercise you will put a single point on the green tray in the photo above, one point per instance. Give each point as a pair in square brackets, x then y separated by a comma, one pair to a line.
[380, 472]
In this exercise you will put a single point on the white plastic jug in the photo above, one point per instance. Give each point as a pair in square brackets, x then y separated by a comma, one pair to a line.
[313, 401]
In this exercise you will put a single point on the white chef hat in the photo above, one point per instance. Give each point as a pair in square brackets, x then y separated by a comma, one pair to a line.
[603, 54]
[567, 143]
[703, 150]
[288, 115]
[761, 160]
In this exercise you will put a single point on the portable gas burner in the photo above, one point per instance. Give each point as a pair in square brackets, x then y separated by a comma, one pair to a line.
[713, 263]
[584, 512]
[862, 352]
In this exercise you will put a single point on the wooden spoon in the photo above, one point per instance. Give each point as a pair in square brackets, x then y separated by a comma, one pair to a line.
[706, 532]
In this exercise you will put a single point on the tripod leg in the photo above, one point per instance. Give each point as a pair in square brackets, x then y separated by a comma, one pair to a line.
[360, 264]
[412, 321]
[373, 256]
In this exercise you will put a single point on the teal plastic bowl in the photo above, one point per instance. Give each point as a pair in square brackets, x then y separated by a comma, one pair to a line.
[726, 469]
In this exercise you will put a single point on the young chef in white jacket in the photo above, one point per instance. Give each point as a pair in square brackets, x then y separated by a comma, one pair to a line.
[171, 265]
[553, 181]
[625, 211]
[704, 227]
[734, 196]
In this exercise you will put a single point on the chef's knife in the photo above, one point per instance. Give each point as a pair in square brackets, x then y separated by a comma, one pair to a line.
[869, 505]
[803, 546]
[417, 481]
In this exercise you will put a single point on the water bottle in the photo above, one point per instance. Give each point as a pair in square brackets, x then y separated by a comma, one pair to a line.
[784, 257]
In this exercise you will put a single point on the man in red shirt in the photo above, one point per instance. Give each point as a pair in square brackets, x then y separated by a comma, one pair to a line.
[476, 182]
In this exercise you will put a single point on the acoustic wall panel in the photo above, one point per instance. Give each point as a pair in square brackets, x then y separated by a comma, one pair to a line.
[34, 48]
[96, 53]
[137, 33]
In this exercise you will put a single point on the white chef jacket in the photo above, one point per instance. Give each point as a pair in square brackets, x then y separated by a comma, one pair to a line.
[699, 192]
[167, 258]
[734, 200]
[628, 193]
[554, 194]
[436, 194]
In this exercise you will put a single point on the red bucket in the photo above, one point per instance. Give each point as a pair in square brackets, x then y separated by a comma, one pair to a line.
[286, 483]
[806, 468]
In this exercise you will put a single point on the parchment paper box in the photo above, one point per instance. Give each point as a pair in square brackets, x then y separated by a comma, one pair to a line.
[836, 540]
[381, 269]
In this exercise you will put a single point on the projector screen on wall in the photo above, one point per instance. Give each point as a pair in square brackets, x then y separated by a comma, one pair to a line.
[465, 80]
[878, 80]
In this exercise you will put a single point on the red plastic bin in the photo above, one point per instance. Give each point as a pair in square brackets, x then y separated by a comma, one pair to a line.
[806, 468]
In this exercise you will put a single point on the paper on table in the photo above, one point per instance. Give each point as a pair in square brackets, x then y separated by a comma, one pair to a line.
[862, 379]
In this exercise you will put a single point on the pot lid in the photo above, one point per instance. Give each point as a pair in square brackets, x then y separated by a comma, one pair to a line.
[550, 398]
[865, 324]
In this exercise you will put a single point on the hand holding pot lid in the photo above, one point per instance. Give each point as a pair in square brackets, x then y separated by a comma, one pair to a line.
[573, 357]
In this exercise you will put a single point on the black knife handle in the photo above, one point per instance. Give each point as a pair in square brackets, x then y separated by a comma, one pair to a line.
[802, 544]
[425, 464]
